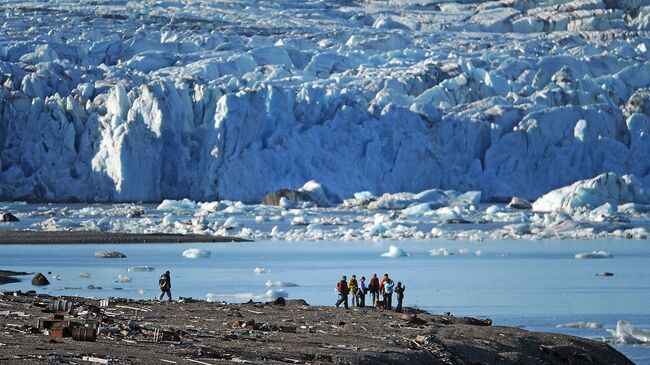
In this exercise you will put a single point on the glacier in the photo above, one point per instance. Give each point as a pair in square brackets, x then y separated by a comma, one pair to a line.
[126, 101]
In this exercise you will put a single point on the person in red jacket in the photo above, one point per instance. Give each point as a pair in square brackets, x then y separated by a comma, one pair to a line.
[342, 289]
[381, 286]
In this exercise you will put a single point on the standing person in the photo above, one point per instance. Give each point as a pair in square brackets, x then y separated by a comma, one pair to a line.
[353, 289]
[342, 288]
[373, 287]
[165, 283]
[388, 293]
[400, 296]
[363, 289]
[381, 287]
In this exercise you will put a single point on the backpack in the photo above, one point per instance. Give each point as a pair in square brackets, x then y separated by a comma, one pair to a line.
[162, 282]
[339, 287]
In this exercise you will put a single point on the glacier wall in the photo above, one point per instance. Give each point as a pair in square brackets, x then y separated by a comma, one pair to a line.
[141, 101]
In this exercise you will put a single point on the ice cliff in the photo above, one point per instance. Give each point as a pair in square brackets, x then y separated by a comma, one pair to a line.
[126, 101]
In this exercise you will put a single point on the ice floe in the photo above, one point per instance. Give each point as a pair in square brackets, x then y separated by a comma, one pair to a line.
[261, 270]
[195, 253]
[143, 268]
[594, 255]
[279, 284]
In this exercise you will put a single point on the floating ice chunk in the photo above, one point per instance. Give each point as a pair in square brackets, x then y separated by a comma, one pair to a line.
[123, 279]
[141, 291]
[478, 253]
[109, 254]
[144, 268]
[184, 206]
[463, 251]
[602, 212]
[594, 255]
[299, 221]
[276, 293]
[394, 251]
[580, 324]
[231, 223]
[440, 252]
[364, 195]
[417, 210]
[279, 284]
[194, 253]
[261, 270]
[84, 275]
[625, 333]
[316, 193]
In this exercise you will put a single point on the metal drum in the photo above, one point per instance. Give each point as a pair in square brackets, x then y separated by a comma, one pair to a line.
[60, 305]
[84, 334]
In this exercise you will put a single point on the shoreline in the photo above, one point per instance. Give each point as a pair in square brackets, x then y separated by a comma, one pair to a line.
[280, 331]
[8, 237]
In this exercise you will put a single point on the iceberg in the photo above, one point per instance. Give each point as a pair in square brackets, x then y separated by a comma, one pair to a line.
[594, 255]
[580, 324]
[394, 251]
[276, 293]
[592, 193]
[625, 333]
[261, 270]
[279, 284]
[194, 253]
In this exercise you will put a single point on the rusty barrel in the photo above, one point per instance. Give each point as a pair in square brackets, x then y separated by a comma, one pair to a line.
[60, 305]
[84, 334]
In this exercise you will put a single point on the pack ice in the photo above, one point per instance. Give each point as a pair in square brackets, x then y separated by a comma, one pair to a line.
[211, 100]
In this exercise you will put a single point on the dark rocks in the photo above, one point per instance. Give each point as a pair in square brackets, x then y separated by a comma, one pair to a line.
[40, 280]
[289, 194]
[605, 273]
[519, 203]
[8, 217]
[280, 301]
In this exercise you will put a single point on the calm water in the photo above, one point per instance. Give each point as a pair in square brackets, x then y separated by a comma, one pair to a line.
[534, 284]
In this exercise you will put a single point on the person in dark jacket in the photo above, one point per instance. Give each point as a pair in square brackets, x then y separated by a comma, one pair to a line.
[165, 284]
[361, 294]
[373, 288]
[399, 290]
[342, 289]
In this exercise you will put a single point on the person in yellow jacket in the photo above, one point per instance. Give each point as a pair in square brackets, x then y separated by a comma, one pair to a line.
[354, 288]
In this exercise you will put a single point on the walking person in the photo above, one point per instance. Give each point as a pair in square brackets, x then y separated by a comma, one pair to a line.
[388, 293]
[165, 284]
[353, 288]
[399, 290]
[373, 288]
[363, 289]
[342, 289]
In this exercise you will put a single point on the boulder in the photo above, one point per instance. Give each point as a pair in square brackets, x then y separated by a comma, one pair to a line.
[40, 280]
[109, 254]
[8, 217]
[280, 301]
[519, 203]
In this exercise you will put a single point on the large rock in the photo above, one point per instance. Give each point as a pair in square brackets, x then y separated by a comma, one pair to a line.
[519, 203]
[40, 280]
[8, 217]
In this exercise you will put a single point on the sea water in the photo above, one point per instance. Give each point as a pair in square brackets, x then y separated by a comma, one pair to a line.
[533, 284]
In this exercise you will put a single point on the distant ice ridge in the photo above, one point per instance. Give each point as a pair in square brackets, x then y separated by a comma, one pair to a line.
[126, 107]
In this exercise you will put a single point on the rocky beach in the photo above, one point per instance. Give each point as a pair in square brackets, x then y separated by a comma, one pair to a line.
[34, 329]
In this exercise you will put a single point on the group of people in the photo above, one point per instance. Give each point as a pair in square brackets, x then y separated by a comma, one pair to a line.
[383, 288]
[375, 287]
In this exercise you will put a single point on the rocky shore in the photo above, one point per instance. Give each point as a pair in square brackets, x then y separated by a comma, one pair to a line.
[281, 332]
